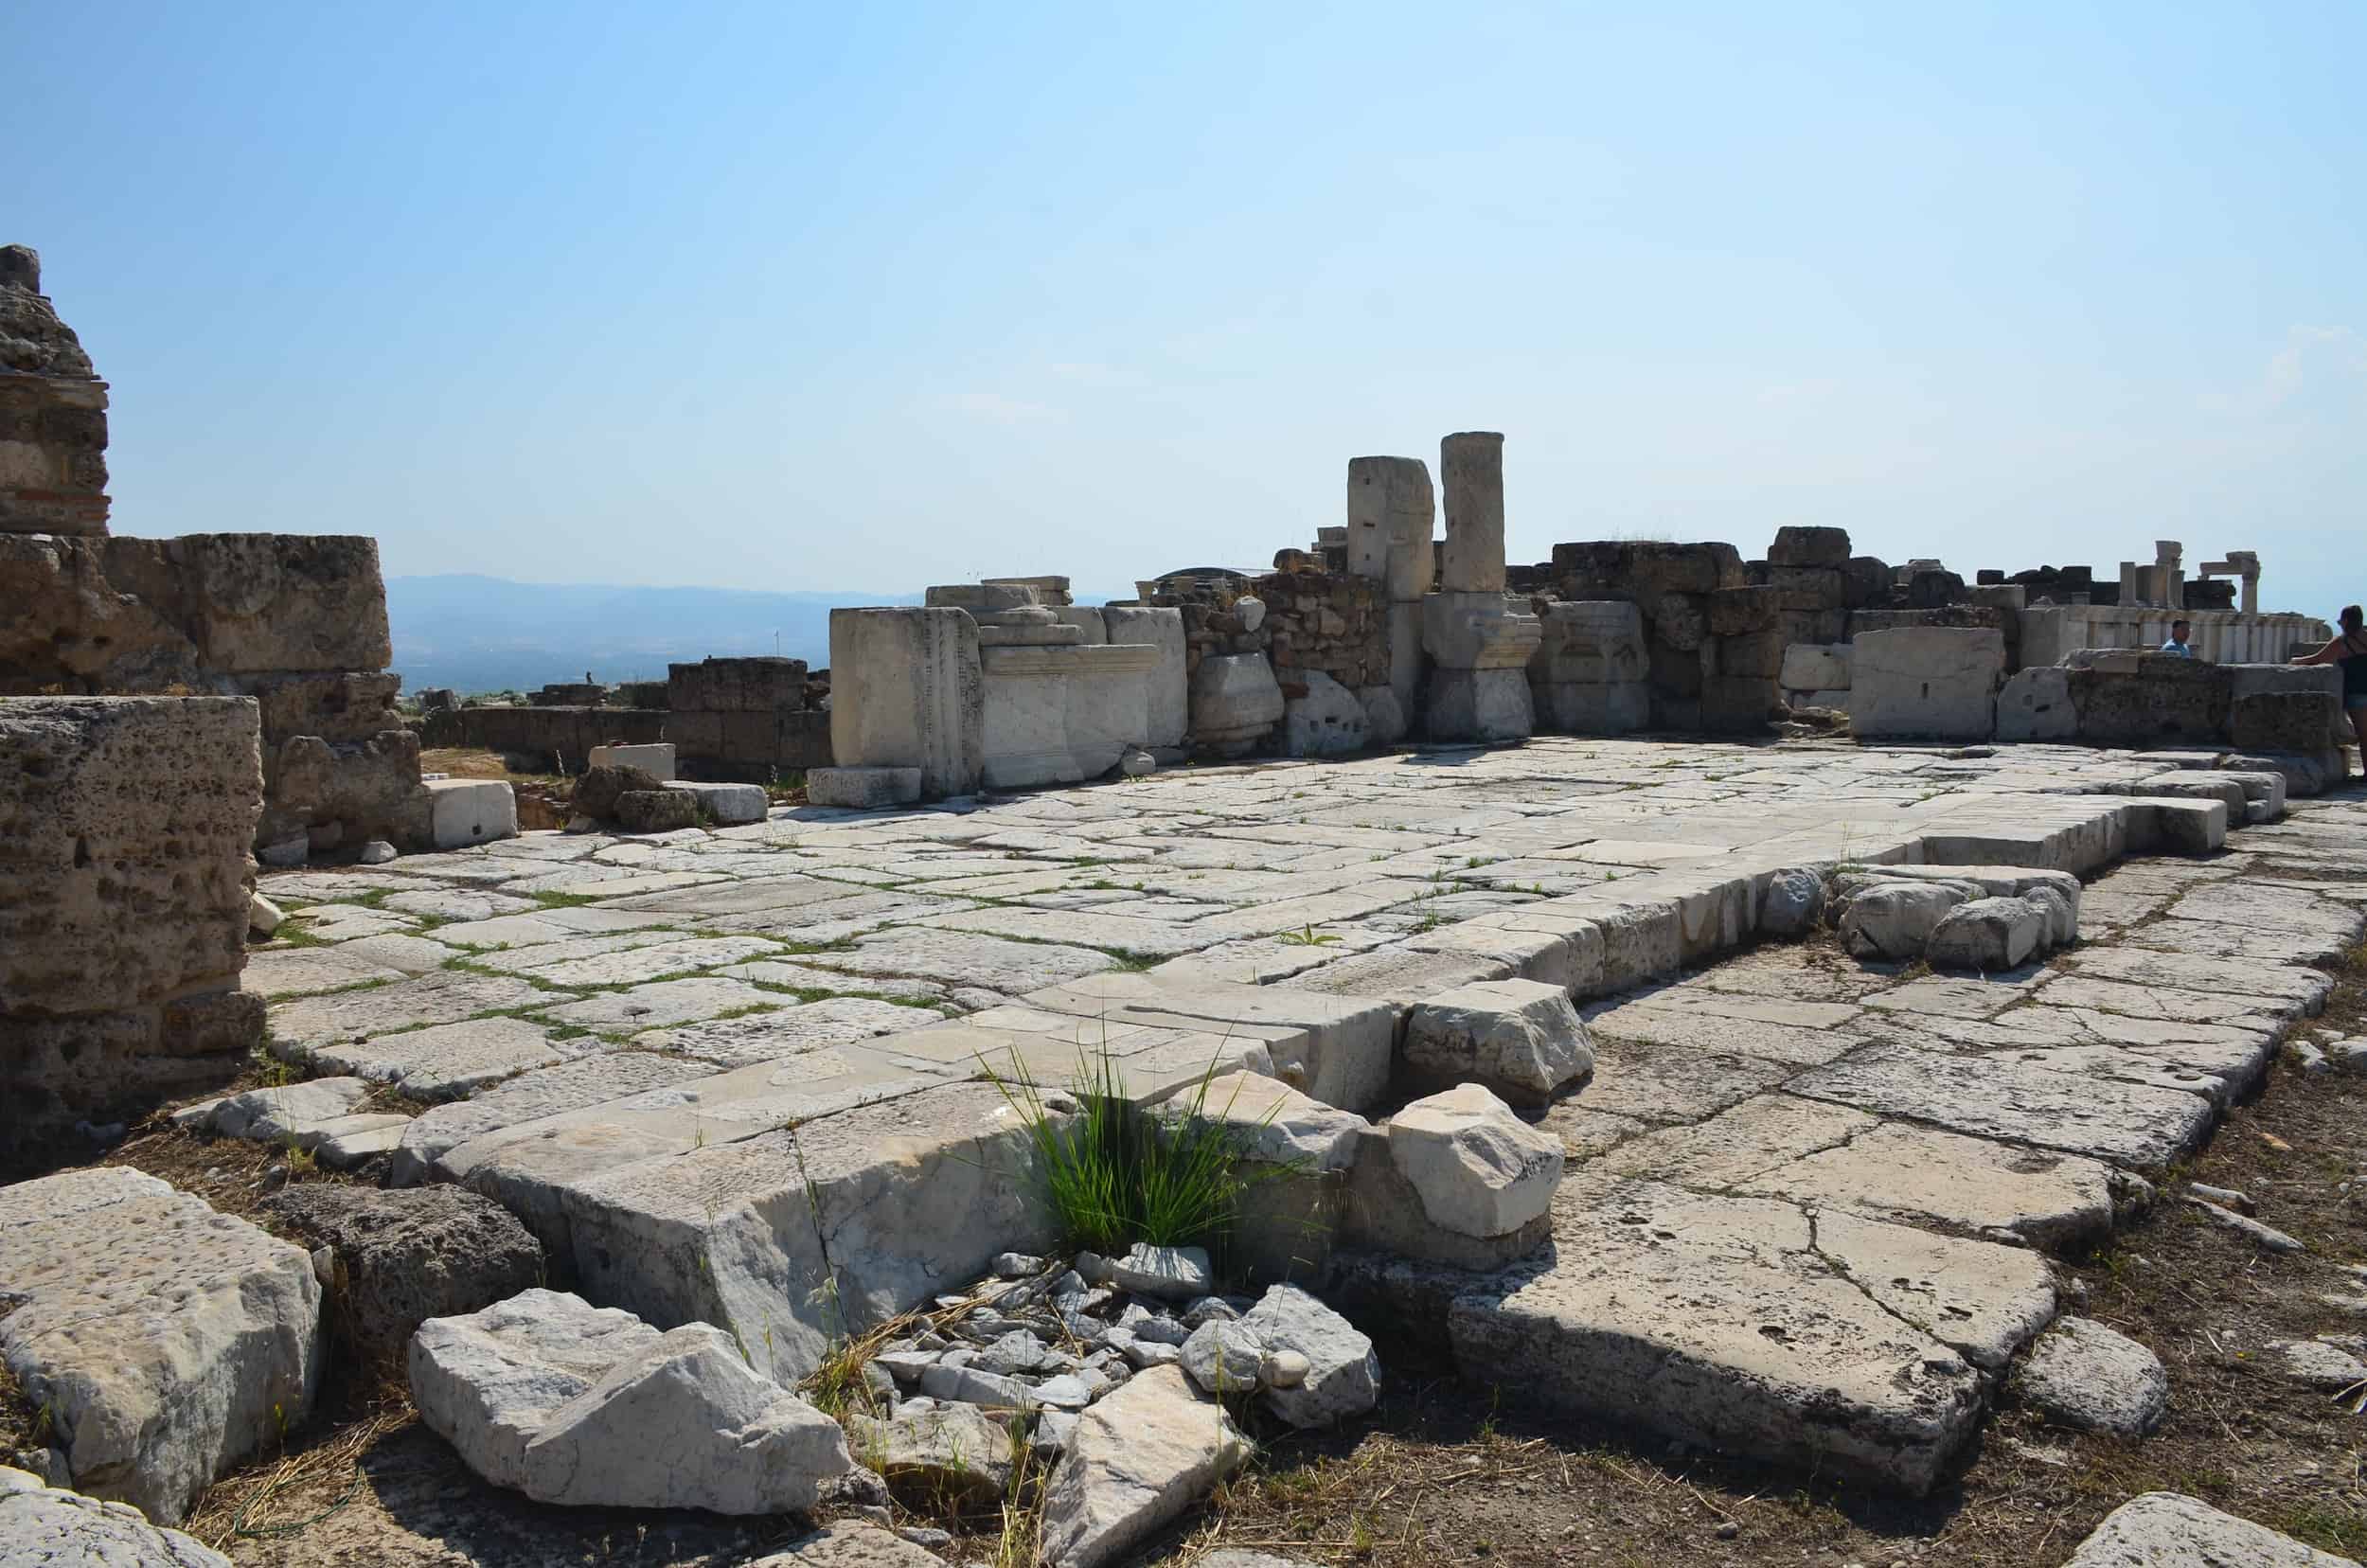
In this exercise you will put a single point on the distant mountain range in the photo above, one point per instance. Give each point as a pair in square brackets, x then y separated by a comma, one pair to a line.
[482, 633]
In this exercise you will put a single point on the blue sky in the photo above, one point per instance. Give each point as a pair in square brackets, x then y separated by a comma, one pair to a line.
[808, 297]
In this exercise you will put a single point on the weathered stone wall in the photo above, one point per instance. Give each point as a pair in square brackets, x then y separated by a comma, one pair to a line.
[53, 413]
[125, 825]
[298, 622]
[1329, 622]
[553, 737]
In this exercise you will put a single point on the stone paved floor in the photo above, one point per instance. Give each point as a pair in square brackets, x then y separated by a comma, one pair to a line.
[1809, 1200]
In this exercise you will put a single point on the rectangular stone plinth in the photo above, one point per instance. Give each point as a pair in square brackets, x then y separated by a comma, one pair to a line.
[906, 692]
[1926, 680]
[1063, 715]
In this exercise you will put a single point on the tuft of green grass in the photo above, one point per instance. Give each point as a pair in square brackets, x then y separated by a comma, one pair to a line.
[1116, 1173]
[1307, 935]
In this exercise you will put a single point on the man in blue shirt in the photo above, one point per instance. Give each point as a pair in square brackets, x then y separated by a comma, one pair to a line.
[2179, 631]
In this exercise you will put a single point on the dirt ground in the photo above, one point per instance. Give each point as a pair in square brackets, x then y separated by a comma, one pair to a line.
[1449, 1469]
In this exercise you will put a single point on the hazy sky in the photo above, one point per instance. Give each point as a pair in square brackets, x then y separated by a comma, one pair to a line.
[871, 296]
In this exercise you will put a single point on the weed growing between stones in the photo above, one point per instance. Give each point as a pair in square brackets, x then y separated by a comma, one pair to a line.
[1114, 1173]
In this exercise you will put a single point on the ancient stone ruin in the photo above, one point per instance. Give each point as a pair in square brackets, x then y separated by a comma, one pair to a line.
[1732, 1002]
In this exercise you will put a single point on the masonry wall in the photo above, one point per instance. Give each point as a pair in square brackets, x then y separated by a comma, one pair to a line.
[125, 825]
[1327, 621]
[53, 413]
[297, 622]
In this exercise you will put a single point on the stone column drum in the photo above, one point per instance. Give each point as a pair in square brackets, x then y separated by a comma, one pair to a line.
[1471, 465]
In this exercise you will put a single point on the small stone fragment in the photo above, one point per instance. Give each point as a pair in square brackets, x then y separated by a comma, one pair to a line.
[948, 1453]
[1283, 1369]
[378, 853]
[2082, 1375]
[2266, 1236]
[1223, 1358]
[1174, 1274]
[262, 915]
[1344, 1374]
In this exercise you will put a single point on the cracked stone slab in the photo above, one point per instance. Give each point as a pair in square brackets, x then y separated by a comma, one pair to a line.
[655, 1006]
[447, 996]
[2142, 1129]
[1716, 1321]
[1703, 1030]
[1659, 1084]
[534, 1095]
[1960, 996]
[2281, 989]
[2209, 939]
[446, 1060]
[804, 977]
[545, 925]
[786, 1032]
[644, 962]
[963, 958]
[2161, 1004]
[305, 970]
[457, 904]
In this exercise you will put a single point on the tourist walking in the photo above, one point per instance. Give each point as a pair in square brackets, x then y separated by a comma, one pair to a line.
[2349, 651]
[2180, 631]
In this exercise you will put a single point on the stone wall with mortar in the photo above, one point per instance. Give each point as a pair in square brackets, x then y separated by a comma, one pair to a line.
[1327, 621]
[125, 874]
[297, 622]
[53, 413]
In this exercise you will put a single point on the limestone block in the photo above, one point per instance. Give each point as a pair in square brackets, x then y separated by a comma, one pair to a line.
[568, 1404]
[1086, 618]
[261, 603]
[1328, 721]
[1895, 919]
[406, 1256]
[167, 1341]
[862, 788]
[1590, 707]
[1385, 722]
[45, 1527]
[753, 684]
[906, 692]
[1471, 468]
[1300, 1150]
[947, 1453]
[1138, 1458]
[2089, 1377]
[726, 805]
[1167, 713]
[1643, 570]
[123, 874]
[1490, 706]
[1520, 1039]
[1479, 631]
[1927, 680]
[1060, 715]
[2282, 721]
[1343, 1376]
[1590, 640]
[1793, 902]
[1744, 611]
[2172, 1531]
[1681, 621]
[472, 811]
[1234, 702]
[1798, 546]
[2127, 696]
[1479, 1169]
[1810, 667]
[656, 759]
[661, 811]
[1987, 934]
[2036, 704]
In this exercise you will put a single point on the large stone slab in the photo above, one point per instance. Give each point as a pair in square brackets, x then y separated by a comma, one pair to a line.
[964, 958]
[532, 1097]
[2144, 1128]
[571, 1404]
[794, 1238]
[1139, 1457]
[166, 1342]
[1722, 1322]
[1341, 1057]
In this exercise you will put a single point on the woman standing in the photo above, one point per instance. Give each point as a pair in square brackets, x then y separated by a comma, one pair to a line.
[2350, 651]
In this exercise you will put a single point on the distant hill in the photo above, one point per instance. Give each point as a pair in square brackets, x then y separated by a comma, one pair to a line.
[482, 633]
